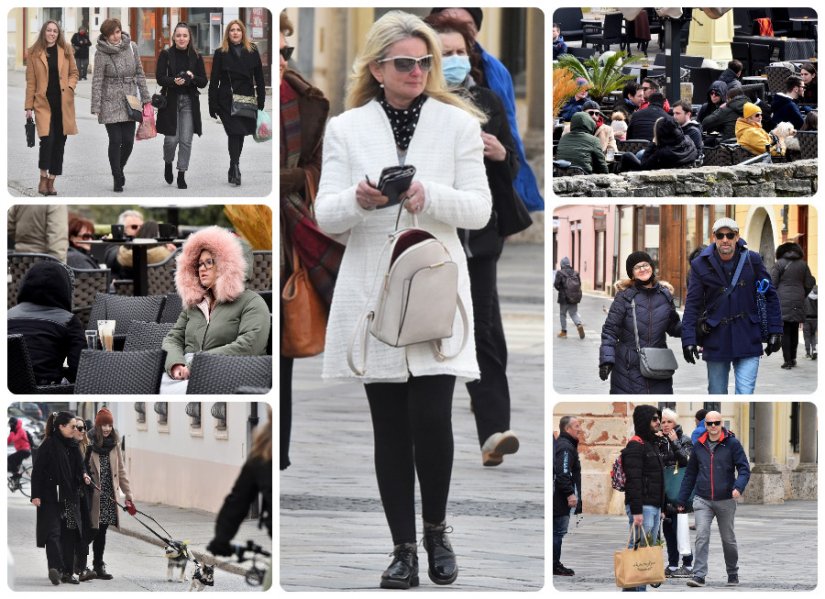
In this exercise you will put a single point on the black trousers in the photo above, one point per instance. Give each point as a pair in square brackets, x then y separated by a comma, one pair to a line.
[121, 142]
[53, 146]
[413, 432]
[99, 545]
[286, 409]
[69, 541]
[235, 143]
[49, 517]
[790, 340]
[14, 460]
[490, 395]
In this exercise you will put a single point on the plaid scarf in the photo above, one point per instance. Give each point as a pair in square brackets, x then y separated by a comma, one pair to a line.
[290, 126]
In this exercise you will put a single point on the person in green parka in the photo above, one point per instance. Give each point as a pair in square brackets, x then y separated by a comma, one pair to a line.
[581, 146]
[219, 314]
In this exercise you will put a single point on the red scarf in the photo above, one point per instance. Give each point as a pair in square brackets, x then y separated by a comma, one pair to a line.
[290, 126]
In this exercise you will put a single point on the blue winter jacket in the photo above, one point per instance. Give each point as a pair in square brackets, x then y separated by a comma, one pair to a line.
[734, 321]
[715, 474]
[786, 110]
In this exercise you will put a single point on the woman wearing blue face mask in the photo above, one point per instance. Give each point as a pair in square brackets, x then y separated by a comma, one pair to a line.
[490, 394]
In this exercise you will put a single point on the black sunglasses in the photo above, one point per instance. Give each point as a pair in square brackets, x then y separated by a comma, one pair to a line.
[592, 112]
[286, 52]
[86, 236]
[721, 236]
[714, 423]
[81, 428]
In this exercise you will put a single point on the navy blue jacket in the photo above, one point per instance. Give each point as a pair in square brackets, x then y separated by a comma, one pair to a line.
[740, 337]
[715, 474]
[567, 474]
[786, 110]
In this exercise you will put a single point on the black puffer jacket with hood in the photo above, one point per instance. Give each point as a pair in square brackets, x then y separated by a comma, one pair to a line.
[793, 281]
[671, 149]
[643, 466]
[43, 315]
[709, 107]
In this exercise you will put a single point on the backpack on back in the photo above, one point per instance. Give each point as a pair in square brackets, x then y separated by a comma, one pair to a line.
[572, 287]
[618, 479]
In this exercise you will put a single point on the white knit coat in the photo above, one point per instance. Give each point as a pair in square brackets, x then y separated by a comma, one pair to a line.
[447, 152]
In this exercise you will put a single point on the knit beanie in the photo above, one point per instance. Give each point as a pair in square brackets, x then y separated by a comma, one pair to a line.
[636, 258]
[104, 416]
[750, 109]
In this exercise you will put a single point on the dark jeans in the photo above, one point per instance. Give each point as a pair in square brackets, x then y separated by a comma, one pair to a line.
[121, 142]
[82, 66]
[413, 432]
[790, 340]
[52, 146]
[286, 409]
[809, 335]
[235, 143]
[490, 395]
[14, 460]
[99, 545]
[560, 524]
[669, 528]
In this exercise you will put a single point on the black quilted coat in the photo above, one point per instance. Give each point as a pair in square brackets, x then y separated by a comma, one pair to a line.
[656, 317]
[793, 281]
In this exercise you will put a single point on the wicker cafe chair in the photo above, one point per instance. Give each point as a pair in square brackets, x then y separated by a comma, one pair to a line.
[219, 374]
[18, 266]
[146, 335]
[21, 374]
[128, 372]
[161, 276]
[716, 156]
[87, 284]
[261, 271]
[123, 309]
[807, 143]
[777, 75]
[632, 145]
[172, 308]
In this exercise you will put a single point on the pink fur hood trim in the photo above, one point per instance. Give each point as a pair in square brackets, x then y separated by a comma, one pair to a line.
[230, 263]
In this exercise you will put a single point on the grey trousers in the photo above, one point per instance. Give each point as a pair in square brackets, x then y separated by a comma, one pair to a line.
[183, 136]
[565, 309]
[724, 512]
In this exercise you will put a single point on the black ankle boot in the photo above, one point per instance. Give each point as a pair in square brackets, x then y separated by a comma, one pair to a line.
[167, 172]
[182, 180]
[403, 571]
[230, 175]
[440, 557]
[100, 570]
[118, 184]
[237, 175]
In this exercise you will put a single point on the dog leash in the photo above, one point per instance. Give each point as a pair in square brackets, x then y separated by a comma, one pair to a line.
[168, 541]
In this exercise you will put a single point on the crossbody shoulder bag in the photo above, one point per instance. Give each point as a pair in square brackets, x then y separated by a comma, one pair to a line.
[654, 362]
[703, 329]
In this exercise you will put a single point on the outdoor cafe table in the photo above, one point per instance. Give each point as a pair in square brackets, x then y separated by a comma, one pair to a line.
[807, 24]
[139, 249]
[790, 48]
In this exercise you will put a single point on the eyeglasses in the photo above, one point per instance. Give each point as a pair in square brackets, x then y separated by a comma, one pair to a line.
[208, 264]
[286, 52]
[642, 266]
[714, 423]
[720, 236]
[406, 64]
[85, 236]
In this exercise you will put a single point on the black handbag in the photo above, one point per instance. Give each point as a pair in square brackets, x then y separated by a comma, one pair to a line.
[242, 106]
[30, 132]
[512, 216]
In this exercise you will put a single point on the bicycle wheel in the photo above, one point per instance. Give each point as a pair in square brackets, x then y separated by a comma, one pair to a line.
[26, 482]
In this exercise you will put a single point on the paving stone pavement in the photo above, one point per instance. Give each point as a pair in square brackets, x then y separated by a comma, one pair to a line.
[333, 534]
[777, 551]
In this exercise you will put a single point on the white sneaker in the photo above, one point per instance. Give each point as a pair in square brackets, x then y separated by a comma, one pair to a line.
[497, 446]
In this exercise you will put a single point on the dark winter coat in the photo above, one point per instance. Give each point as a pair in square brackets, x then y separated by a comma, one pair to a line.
[46, 484]
[675, 453]
[117, 73]
[793, 281]
[559, 47]
[673, 149]
[43, 316]
[656, 316]
[737, 338]
[571, 107]
[811, 302]
[487, 242]
[169, 65]
[567, 474]
[581, 146]
[642, 464]
[709, 107]
[730, 79]
[79, 258]
[642, 121]
[715, 474]
[560, 282]
[785, 110]
[81, 43]
[693, 131]
[627, 107]
[723, 121]
[243, 76]
[255, 479]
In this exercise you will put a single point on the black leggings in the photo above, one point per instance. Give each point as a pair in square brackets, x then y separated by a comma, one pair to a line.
[790, 340]
[99, 545]
[286, 409]
[121, 142]
[413, 431]
[235, 143]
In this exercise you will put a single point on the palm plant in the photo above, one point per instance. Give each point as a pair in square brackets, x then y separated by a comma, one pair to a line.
[603, 78]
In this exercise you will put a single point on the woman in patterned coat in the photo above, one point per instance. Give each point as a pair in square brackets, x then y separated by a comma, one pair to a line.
[106, 467]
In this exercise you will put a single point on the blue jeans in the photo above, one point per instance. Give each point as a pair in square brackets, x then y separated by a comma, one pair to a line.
[560, 524]
[651, 514]
[744, 372]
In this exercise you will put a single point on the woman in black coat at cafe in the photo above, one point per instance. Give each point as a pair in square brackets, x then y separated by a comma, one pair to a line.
[670, 148]
[180, 72]
[236, 70]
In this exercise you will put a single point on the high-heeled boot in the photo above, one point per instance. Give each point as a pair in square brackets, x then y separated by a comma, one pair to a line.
[402, 573]
[440, 556]
[237, 180]
[118, 185]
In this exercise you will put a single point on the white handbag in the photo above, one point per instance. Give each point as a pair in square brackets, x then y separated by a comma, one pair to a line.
[418, 297]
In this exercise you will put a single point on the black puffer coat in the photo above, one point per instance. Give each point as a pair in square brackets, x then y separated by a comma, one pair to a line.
[793, 281]
[673, 149]
[643, 466]
[567, 474]
[656, 316]
[641, 123]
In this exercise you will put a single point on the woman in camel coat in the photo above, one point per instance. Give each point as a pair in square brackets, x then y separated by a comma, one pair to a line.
[51, 78]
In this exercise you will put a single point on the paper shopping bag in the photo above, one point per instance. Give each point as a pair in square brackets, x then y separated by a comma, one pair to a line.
[640, 565]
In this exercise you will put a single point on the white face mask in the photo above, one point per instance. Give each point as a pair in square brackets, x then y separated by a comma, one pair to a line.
[456, 68]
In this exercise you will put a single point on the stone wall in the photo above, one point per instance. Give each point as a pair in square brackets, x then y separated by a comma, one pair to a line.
[791, 179]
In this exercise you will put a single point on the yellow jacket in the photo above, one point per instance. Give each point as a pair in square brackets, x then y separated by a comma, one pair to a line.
[754, 138]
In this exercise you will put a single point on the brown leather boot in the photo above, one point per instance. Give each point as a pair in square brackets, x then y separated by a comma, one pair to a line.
[43, 186]
[52, 191]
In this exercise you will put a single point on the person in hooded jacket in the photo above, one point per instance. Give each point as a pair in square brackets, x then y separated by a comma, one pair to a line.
[604, 132]
[793, 281]
[716, 96]
[732, 74]
[656, 317]
[809, 328]
[57, 476]
[219, 315]
[670, 148]
[118, 72]
[22, 448]
[567, 305]
[581, 146]
[567, 486]
[723, 121]
[644, 495]
[642, 122]
[43, 315]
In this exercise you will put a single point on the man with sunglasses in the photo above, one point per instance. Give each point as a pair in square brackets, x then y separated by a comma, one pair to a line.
[719, 473]
[722, 290]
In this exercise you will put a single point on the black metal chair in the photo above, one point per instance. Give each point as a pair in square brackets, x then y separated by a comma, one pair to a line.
[741, 52]
[171, 308]
[701, 78]
[564, 168]
[219, 374]
[581, 53]
[161, 276]
[738, 154]
[121, 373]
[146, 335]
[21, 373]
[760, 57]
[570, 21]
[607, 34]
[807, 143]
[18, 265]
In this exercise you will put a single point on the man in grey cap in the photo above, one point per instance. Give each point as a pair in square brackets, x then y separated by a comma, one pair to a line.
[721, 313]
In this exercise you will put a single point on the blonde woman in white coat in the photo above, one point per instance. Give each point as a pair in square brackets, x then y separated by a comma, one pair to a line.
[401, 113]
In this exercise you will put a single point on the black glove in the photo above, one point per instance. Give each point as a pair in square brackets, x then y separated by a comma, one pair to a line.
[774, 344]
[604, 371]
[217, 547]
[691, 353]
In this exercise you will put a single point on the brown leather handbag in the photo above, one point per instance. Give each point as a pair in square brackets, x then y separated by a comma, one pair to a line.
[304, 315]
